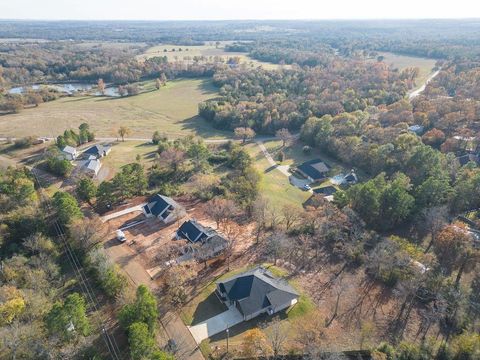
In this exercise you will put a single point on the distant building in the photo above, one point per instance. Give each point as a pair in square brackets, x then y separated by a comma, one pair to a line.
[69, 153]
[256, 292]
[314, 170]
[98, 151]
[416, 129]
[92, 167]
[164, 208]
[465, 159]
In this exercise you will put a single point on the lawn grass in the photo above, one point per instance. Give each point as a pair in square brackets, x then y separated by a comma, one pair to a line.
[124, 153]
[208, 50]
[274, 185]
[172, 110]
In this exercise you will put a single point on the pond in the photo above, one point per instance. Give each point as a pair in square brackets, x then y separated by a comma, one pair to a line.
[67, 88]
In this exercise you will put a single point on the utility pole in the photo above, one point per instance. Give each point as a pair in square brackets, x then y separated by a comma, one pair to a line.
[227, 338]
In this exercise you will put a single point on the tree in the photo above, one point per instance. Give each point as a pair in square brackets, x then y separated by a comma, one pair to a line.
[199, 153]
[141, 342]
[221, 210]
[156, 137]
[66, 207]
[433, 220]
[158, 84]
[254, 343]
[144, 309]
[274, 246]
[123, 131]
[68, 318]
[455, 249]
[244, 133]
[101, 86]
[86, 233]
[284, 135]
[86, 189]
[291, 215]
[276, 336]
[173, 158]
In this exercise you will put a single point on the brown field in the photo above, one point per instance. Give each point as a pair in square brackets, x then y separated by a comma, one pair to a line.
[171, 110]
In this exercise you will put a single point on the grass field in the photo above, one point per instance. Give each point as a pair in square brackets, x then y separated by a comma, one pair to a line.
[171, 110]
[274, 185]
[207, 50]
[401, 62]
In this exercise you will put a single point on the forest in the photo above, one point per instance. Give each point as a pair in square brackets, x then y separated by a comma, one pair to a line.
[408, 232]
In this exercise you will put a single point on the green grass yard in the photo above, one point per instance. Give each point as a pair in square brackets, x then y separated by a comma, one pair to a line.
[274, 185]
[172, 110]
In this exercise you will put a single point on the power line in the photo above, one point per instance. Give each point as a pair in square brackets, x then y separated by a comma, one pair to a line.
[76, 265]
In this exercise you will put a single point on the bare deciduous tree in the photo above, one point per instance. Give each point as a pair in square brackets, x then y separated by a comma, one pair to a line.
[276, 336]
[221, 210]
[284, 135]
[88, 232]
[291, 215]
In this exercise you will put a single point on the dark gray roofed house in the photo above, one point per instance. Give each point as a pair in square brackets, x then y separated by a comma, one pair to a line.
[465, 159]
[327, 190]
[98, 150]
[164, 208]
[315, 170]
[256, 292]
[193, 231]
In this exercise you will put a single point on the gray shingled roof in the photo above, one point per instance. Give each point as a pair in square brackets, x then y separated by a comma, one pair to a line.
[257, 289]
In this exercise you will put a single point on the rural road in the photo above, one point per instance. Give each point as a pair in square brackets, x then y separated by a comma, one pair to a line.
[417, 92]
[208, 141]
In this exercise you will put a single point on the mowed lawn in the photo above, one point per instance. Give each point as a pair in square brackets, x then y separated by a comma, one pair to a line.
[401, 62]
[274, 185]
[172, 110]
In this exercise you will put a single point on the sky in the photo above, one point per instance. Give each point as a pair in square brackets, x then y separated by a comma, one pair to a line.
[236, 10]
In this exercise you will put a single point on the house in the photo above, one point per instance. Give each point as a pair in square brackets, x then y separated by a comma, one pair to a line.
[465, 159]
[205, 242]
[211, 247]
[69, 153]
[92, 167]
[98, 151]
[351, 178]
[314, 170]
[164, 208]
[326, 191]
[256, 292]
[193, 231]
[416, 129]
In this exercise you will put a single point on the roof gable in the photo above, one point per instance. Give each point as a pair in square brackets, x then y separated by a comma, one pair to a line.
[315, 169]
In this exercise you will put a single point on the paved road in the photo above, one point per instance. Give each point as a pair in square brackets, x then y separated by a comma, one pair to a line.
[171, 322]
[283, 169]
[123, 212]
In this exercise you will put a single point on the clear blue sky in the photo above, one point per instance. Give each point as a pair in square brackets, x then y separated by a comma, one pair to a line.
[241, 9]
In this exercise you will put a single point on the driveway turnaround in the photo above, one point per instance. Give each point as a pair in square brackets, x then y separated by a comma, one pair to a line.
[216, 324]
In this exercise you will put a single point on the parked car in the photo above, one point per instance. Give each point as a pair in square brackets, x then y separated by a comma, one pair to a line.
[306, 187]
[120, 235]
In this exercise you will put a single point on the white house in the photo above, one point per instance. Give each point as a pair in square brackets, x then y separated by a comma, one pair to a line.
[92, 167]
[69, 153]
[164, 208]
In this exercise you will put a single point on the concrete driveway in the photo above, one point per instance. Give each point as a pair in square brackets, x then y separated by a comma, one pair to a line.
[123, 212]
[216, 324]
